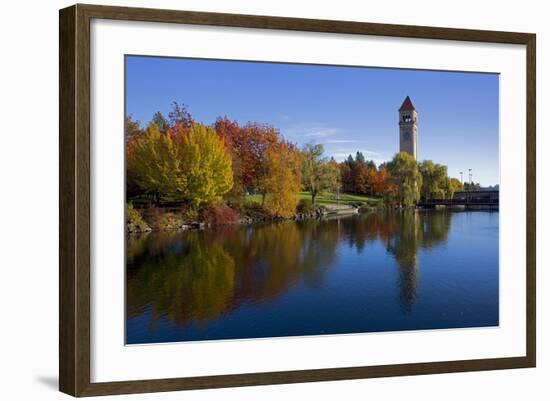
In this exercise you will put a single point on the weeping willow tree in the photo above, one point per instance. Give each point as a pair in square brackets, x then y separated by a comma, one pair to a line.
[406, 178]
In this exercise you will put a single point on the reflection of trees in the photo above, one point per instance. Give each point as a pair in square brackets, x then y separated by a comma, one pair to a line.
[191, 282]
[415, 230]
[197, 276]
[402, 233]
[319, 249]
[404, 246]
[268, 260]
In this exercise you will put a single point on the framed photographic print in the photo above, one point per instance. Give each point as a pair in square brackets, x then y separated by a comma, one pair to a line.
[251, 200]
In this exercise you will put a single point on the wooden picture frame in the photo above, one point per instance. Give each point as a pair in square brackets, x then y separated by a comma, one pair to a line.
[74, 204]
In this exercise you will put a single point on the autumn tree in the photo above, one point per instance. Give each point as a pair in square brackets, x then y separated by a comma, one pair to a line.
[194, 167]
[281, 181]
[132, 131]
[248, 145]
[346, 177]
[206, 164]
[257, 140]
[406, 177]
[154, 161]
[319, 174]
[358, 174]
[381, 180]
[230, 132]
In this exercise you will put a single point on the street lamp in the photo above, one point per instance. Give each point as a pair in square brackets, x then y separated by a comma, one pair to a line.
[461, 182]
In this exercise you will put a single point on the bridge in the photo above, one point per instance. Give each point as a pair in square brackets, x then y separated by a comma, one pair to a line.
[477, 199]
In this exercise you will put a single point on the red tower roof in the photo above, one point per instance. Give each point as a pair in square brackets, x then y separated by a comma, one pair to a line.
[407, 105]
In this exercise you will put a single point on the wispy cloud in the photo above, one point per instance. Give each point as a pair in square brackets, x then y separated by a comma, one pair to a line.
[322, 132]
[346, 153]
[342, 154]
[328, 141]
[311, 131]
[285, 117]
[336, 140]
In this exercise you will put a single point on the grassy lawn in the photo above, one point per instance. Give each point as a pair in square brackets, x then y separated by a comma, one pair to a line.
[327, 198]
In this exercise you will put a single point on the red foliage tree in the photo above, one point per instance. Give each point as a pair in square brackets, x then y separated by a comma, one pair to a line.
[361, 178]
[381, 180]
[346, 177]
[248, 145]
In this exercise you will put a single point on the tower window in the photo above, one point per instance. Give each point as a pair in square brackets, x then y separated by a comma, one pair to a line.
[407, 118]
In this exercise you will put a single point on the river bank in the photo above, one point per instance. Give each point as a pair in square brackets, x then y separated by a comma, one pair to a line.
[158, 219]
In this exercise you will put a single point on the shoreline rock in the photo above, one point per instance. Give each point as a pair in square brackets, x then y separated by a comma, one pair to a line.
[176, 223]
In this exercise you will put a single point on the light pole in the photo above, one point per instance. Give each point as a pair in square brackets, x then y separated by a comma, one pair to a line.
[470, 177]
[461, 182]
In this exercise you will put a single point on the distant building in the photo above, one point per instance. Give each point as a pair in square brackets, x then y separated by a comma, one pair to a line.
[408, 128]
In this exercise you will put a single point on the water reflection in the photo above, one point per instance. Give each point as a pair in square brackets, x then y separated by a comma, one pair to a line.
[199, 275]
[195, 278]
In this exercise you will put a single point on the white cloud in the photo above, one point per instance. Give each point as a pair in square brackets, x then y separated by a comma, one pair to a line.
[321, 132]
[329, 141]
[342, 154]
[311, 131]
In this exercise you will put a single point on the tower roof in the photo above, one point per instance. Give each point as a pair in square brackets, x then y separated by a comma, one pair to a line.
[407, 105]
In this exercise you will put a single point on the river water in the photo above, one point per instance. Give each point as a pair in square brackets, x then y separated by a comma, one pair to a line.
[371, 272]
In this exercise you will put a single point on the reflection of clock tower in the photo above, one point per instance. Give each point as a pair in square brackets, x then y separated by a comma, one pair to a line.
[408, 128]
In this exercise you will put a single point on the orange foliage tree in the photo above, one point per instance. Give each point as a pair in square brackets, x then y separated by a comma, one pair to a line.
[248, 145]
[381, 180]
[281, 180]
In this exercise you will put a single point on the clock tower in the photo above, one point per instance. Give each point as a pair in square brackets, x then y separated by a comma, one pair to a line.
[408, 128]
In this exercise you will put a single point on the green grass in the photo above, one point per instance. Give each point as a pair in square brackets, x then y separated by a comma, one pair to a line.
[326, 198]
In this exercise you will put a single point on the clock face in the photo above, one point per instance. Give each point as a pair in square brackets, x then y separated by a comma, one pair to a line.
[407, 136]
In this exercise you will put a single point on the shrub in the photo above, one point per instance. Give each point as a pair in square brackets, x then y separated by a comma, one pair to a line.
[169, 221]
[134, 220]
[305, 206]
[189, 214]
[255, 211]
[219, 215]
[161, 220]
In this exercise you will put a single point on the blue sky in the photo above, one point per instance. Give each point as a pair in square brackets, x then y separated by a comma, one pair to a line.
[345, 108]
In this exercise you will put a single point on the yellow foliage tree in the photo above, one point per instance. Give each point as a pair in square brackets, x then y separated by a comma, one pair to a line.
[194, 166]
[155, 162]
[282, 180]
[206, 164]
